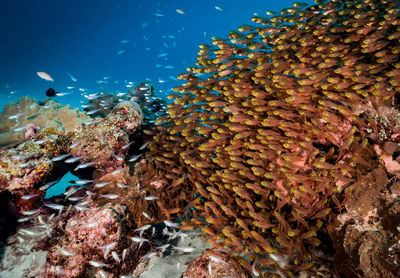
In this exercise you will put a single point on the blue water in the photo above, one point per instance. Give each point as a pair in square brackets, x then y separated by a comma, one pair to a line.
[83, 38]
[61, 186]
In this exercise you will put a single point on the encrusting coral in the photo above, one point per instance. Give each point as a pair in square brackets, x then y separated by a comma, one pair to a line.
[271, 125]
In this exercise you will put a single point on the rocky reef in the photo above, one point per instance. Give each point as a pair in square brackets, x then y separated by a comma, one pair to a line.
[17, 118]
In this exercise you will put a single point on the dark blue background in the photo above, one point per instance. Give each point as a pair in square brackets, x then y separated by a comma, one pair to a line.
[83, 38]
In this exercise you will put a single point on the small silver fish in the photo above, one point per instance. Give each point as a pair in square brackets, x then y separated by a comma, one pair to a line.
[150, 198]
[170, 224]
[23, 165]
[29, 232]
[124, 254]
[139, 239]
[93, 111]
[27, 197]
[61, 157]
[39, 142]
[115, 256]
[16, 116]
[73, 159]
[67, 253]
[84, 165]
[144, 145]
[75, 199]
[143, 228]
[30, 212]
[90, 225]
[24, 219]
[134, 158]
[120, 185]
[146, 215]
[98, 264]
[117, 171]
[109, 196]
[185, 249]
[47, 185]
[71, 192]
[79, 208]
[108, 246]
[82, 182]
[75, 144]
[54, 206]
[117, 157]
[102, 184]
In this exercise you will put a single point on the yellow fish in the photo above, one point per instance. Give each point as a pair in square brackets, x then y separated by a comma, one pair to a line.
[45, 76]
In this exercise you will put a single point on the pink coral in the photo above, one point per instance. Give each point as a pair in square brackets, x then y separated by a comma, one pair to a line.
[31, 131]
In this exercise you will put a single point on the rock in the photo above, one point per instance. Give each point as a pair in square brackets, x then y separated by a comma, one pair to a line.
[49, 114]
[205, 266]
[102, 141]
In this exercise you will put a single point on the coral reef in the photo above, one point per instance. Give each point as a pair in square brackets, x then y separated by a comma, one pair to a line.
[17, 116]
[102, 140]
[272, 125]
[214, 264]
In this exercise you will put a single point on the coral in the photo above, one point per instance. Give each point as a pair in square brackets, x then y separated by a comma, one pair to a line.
[103, 138]
[85, 242]
[43, 115]
[271, 125]
[221, 266]
[366, 234]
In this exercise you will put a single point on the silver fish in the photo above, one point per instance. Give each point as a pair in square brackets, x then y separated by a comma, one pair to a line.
[150, 198]
[79, 208]
[98, 264]
[67, 253]
[185, 249]
[127, 145]
[144, 145]
[108, 246]
[117, 171]
[29, 232]
[120, 185]
[139, 239]
[30, 212]
[110, 196]
[75, 144]
[90, 225]
[54, 206]
[16, 116]
[117, 157]
[102, 184]
[75, 199]
[73, 159]
[170, 224]
[24, 219]
[47, 185]
[134, 158]
[143, 228]
[92, 111]
[61, 157]
[84, 165]
[146, 215]
[27, 197]
[82, 182]
[39, 142]
[115, 256]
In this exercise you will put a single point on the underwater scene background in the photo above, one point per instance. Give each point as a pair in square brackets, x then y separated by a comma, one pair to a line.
[109, 42]
[218, 139]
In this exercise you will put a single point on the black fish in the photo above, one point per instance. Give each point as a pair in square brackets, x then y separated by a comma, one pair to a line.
[51, 92]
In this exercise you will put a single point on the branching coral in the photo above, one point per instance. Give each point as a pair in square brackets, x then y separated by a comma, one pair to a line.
[269, 125]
